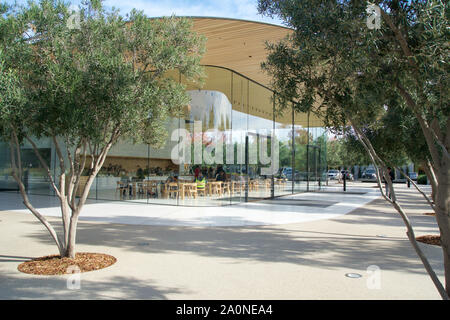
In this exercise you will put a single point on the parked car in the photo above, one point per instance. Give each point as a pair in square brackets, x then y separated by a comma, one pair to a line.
[346, 174]
[333, 174]
[413, 175]
[286, 173]
[369, 175]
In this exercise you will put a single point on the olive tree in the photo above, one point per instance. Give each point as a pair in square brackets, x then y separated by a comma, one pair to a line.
[339, 65]
[89, 78]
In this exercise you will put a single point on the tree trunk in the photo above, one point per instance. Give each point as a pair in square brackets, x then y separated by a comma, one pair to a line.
[66, 246]
[443, 216]
[70, 247]
[410, 231]
[72, 232]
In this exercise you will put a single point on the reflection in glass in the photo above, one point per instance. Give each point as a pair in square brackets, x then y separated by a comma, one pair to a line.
[225, 133]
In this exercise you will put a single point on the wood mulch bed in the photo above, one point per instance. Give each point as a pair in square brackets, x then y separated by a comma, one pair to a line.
[430, 239]
[54, 265]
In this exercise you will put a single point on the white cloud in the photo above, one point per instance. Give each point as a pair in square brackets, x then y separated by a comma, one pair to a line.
[237, 9]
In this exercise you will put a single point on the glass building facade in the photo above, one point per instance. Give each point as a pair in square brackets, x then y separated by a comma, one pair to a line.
[230, 132]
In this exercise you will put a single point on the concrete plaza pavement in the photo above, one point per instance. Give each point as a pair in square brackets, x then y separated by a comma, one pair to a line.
[305, 259]
[297, 208]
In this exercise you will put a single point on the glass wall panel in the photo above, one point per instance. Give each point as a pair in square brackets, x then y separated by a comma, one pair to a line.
[162, 170]
[122, 176]
[260, 130]
[284, 132]
[240, 119]
[301, 134]
[317, 155]
[208, 122]
[35, 177]
[7, 183]
[225, 133]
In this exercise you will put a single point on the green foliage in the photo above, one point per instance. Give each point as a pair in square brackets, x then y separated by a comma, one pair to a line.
[334, 153]
[335, 66]
[402, 133]
[396, 137]
[12, 97]
[89, 78]
[104, 79]
[344, 152]
[422, 179]
[285, 154]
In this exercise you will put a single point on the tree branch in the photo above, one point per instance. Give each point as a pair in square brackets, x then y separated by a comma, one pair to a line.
[417, 187]
[60, 155]
[410, 231]
[429, 135]
[27, 202]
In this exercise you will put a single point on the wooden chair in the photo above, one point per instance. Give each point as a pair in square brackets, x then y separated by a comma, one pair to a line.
[215, 188]
[173, 189]
[151, 187]
[164, 191]
[146, 187]
[134, 186]
[190, 189]
[253, 185]
[121, 186]
[237, 186]
[140, 187]
[203, 192]
[226, 187]
[267, 184]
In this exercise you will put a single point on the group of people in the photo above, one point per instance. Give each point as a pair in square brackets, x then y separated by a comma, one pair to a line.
[209, 173]
[113, 170]
[200, 179]
[200, 176]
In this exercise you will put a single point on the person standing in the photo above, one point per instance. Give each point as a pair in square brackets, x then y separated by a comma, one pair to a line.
[196, 172]
[200, 181]
[221, 176]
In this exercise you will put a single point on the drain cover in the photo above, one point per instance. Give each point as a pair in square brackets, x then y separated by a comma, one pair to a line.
[143, 244]
[353, 275]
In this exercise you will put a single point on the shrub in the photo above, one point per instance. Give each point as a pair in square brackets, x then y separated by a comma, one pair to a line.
[422, 179]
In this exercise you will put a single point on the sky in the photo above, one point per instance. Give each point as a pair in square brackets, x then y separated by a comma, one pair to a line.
[237, 9]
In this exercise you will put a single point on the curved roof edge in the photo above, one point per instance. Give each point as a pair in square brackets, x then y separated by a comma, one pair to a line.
[232, 19]
[237, 44]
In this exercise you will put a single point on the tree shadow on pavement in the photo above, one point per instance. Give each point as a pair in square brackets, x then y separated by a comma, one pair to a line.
[348, 242]
[55, 287]
[273, 244]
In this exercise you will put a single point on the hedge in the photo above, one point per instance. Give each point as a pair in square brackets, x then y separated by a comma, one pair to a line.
[422, 179]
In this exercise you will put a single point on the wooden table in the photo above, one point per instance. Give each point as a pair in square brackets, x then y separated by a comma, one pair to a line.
[215, 187]
[253, 185]
[237, 186]
[190, 187]
[226, 187]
